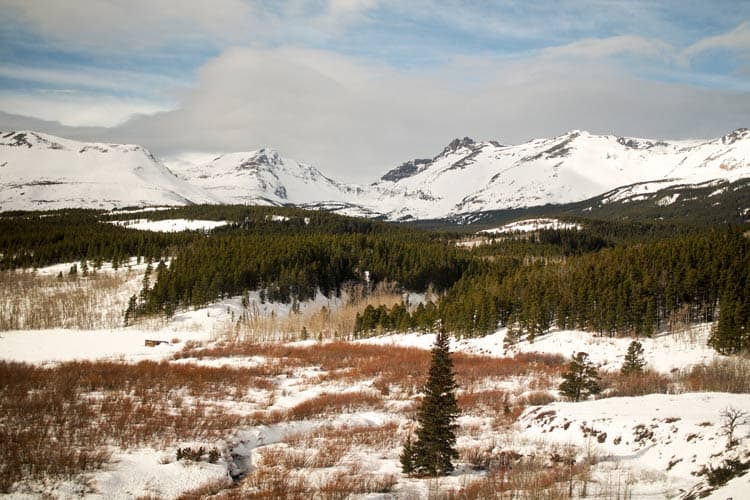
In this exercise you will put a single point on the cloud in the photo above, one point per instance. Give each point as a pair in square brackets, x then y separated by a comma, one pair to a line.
[92, 78]
[598, 48]
[75, 109]
[356, 119]
[135, 24]
[388, 80]
[736, 40]
[114, 26]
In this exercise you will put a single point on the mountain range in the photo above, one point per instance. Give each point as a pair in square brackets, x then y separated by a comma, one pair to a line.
[39, 172]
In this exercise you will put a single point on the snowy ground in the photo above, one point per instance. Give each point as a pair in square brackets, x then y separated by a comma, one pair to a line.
[523, 226]
[530, 225]
[649, 447]
[170, 225]
[662, 353]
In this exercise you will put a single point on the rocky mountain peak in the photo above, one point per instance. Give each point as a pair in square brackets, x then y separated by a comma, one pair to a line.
[27, 139]
[737, 135]
[406, 169]
[456, 144]
[268, 156]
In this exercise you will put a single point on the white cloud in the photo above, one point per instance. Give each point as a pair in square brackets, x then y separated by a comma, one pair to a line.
[345, 8]
[76, 110]
[138, 25]
[133, 24]
[76, 77]
[356, 120]
[600, 48]
[737, 40]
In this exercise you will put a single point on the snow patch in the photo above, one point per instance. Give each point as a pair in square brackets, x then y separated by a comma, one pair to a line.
[531, 225]
[170, 225]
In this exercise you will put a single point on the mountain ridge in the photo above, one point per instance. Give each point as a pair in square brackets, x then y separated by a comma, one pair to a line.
[41, 171]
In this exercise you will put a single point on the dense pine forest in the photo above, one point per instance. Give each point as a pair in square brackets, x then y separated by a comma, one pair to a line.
[610, 277]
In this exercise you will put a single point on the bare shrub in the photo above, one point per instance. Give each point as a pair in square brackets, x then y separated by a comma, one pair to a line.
[285, 457]
[472, 368]
[58, 422]
[491, 400]
[538, 398]
[209, 489]
[334, 321]
[478, 456]
[731, 419]
[730, 374]
[271, 483]
[32, 301]
[616, 384]
[343, 484]
[327, 403]
[380, 437]
[391, 367]
[523, 477]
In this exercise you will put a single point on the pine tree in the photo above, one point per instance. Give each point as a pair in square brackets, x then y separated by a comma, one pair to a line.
[131, 311]
[581, 379]
[634, 361]
[435, 448]
[407, 457]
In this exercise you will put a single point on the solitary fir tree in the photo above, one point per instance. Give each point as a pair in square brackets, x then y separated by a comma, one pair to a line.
[581, 379]
[634, 362]
[434, 450]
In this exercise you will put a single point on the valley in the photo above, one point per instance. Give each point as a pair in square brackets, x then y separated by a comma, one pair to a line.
[272, 381]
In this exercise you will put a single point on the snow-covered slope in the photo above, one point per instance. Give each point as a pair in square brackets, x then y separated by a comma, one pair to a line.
[469, 176]
[265, 177]
[41, 172]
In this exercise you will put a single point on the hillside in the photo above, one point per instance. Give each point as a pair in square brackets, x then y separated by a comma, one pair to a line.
[44, 172]
[470, 177]
[264, 177]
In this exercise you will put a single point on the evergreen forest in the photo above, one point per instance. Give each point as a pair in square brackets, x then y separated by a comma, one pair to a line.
[611, 277]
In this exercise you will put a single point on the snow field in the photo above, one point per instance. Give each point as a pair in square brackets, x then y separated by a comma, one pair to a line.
[338, 416]
[170, 225]
[531, 225]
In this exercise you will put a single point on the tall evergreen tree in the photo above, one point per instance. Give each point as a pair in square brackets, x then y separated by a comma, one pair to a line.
[581, 379]
[634, 361]
[434, 450]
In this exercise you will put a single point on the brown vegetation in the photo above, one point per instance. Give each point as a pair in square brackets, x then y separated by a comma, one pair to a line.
[35, 301]
[335, 321]
[59, 421]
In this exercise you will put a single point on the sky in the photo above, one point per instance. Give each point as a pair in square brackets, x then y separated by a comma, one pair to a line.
[356, 87]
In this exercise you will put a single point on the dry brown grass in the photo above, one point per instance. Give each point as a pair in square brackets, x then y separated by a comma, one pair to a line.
[266, 483]
[390, 367]
[380, 437]
[531, 477]
[35, 301]
[328, 403]
[58, 422]
[207, 490]
[492, 401]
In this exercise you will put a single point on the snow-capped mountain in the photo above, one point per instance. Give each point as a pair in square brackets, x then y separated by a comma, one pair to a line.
[41, 172]
[265, 177]
[469, 176]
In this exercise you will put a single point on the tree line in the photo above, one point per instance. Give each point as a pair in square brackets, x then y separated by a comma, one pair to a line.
[625, 290]
[609, 278]
[287, 268]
